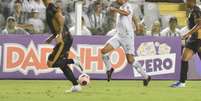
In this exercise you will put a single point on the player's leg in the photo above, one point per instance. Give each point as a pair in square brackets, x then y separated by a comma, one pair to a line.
[199, 48]
[57, 59]
[52, 58]
[110, 46]
[63, 64]
[106, 59]
[68, 40]
[137, 66]
[128, 46]
[75, 61]
[70, 76]
[186, 56]
[105, 55]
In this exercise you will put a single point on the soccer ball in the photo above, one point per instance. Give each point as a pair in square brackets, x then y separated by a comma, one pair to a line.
[84, 79]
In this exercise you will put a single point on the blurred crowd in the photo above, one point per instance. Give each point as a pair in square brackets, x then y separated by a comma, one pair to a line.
[28, 17]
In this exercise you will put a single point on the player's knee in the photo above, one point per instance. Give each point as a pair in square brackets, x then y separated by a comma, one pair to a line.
[49, 64]
[61, 67]
[103, 51]
[187, 54]
[185, 58]
[130, 60]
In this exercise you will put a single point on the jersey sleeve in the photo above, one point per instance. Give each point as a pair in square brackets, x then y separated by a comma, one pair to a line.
[130, 9]
[197, 14]
[52, 9]
[164, 32]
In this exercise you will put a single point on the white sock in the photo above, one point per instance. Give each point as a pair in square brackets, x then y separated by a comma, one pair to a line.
[106, 60]
[140, 70]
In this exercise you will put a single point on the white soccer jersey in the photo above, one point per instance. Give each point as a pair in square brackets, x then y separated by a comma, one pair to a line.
[124, 24]
[125, 33]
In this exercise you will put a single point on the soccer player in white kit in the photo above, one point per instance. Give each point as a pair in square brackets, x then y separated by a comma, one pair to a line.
[124, 38]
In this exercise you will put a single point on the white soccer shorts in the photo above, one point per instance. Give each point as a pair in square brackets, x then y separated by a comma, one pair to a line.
[126, 42]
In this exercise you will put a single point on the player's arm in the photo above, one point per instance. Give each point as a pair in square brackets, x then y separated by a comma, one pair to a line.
[59, 18]
[50, 38]
[46, 2]
[197, 27]
[122, 12]
[60, 21]
[135, 21]
[193, 30]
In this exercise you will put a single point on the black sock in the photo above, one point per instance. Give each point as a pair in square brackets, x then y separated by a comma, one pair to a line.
[63, 61]
[69, 74]
[184, 70]
[69, 61]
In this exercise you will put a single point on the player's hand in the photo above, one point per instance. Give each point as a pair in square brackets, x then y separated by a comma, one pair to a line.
[113, 9]
[49, 63]
[186, 36]
[48, 41]
[59, 38]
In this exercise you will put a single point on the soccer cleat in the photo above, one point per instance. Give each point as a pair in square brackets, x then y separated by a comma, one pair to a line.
[178, 85]
[174, 84]
[109, 74]
[146, 81]
[74, 89]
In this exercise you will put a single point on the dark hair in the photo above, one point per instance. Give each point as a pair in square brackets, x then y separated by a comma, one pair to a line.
[97, 3]
[11, 18]
[194, 1]
[18, 1]
[58, 1]
[173, 19]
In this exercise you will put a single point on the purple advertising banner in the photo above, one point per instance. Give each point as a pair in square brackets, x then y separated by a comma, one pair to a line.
[195, 68]
[198, 64]
[24, 57]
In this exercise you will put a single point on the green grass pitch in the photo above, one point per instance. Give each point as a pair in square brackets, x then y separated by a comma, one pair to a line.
[53, 90]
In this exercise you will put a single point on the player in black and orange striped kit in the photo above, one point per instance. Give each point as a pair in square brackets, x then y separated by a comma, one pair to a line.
[193, 44]
[60, 32]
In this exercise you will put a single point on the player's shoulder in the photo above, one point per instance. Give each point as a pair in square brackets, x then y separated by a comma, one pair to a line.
[124, 5]
[127, 6]
[4, 31]
[52, 7]
[196, 8]
[178, 30]
[166, 30]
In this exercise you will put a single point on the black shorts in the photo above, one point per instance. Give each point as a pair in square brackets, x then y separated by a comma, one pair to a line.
[60, 50]
[194, 44]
